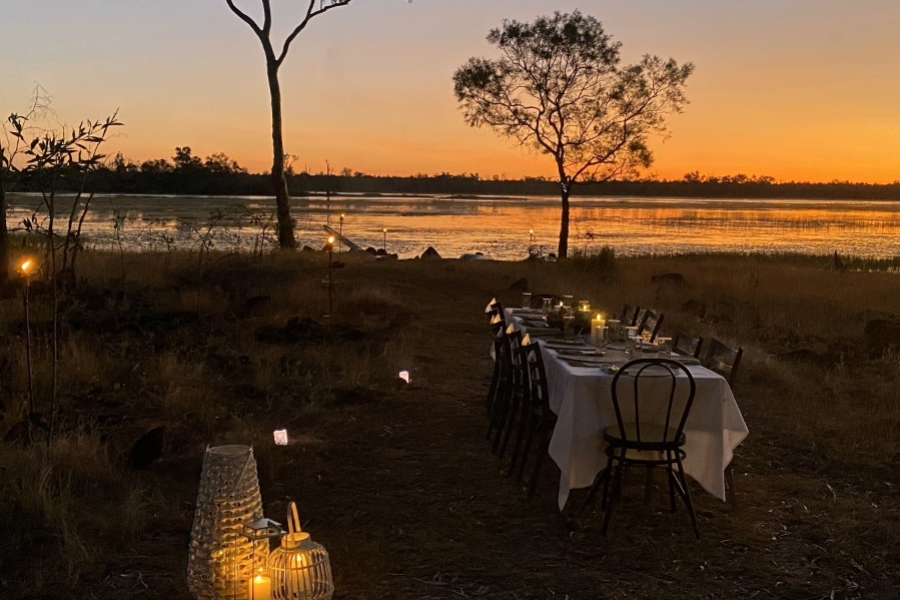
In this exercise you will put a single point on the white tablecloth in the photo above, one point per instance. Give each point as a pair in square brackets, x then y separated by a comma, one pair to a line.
[582, 399]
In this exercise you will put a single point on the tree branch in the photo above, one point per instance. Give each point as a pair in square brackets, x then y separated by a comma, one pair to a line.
[246, 18]
[310, 14]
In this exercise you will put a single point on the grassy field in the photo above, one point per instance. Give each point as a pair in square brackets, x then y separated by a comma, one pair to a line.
[397, 481]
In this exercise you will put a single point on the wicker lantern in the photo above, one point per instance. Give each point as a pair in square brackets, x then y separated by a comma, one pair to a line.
[221, 558]
[300, 569]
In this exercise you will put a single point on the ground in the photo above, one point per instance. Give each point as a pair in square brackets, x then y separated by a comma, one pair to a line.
[398, 482]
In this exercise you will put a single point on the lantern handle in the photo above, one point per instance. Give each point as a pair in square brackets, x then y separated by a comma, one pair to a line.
[293, 519]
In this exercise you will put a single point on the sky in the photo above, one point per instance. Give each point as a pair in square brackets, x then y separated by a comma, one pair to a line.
[804, 90]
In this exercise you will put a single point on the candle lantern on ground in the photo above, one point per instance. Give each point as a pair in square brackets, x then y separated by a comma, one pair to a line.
[259, 532]
[220, 563]
[300, 568]
[330, 245]
[384, 240]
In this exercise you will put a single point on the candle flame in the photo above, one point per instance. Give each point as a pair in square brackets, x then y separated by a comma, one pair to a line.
[384, 230]
[404, 375]
[331, 239]
[25, 266]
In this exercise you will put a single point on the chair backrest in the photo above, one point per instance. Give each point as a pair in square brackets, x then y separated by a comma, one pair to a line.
[723, 360]
[537, 300]
[651, 322]
[652, 370]
[686, 345]
[497, 312]
[629, 315]
[540, 394]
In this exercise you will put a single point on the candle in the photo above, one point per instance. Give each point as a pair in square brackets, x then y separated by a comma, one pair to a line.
[584, 306]
[261, 588]
[598, 324]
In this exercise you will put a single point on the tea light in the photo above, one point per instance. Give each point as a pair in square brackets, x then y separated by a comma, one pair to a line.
[261, 588]
[598, 325]
[404, 375]
[281, 437]
[584, 306]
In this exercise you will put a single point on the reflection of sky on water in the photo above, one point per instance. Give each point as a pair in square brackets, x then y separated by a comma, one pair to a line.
[499, 227]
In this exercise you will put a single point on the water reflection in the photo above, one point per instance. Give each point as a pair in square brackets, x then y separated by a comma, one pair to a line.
[499, 227]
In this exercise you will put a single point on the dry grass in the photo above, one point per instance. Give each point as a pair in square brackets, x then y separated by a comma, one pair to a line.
[180, 350]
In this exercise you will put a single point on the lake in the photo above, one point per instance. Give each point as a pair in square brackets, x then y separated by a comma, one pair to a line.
[498, 227]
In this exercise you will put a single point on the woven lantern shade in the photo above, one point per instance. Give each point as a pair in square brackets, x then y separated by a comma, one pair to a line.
[300, 568]
[221, 558]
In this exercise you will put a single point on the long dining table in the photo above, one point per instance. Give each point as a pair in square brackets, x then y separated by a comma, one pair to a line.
[581, 397]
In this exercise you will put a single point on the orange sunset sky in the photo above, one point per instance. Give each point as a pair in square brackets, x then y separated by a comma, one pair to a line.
[795, 89]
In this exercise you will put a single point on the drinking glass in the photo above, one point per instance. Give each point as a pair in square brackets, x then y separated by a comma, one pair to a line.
[630, 343]
[664, 345]
[567, 301]
[614, 326]
[526, 300]
[545, 306]
[568, 317]
[630, 332]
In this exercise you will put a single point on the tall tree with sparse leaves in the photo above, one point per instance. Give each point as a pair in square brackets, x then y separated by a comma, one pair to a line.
[558, 88]
[274, 60]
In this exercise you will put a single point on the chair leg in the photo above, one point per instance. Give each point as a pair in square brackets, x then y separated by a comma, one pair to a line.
[601, 478]
[670, 479]
[532, 433]
[509, 426]
[524, 422]
[729, 485]
[687, 496]
[492, 390]
[502, 416]
[544, 438]
[617, 488]
[502, 398]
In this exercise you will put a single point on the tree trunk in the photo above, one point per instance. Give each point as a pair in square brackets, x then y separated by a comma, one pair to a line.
[282, 199]
[4, 239]
[564, 224]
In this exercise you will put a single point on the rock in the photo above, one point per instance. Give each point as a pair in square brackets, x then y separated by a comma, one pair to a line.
[520, 285]
[883, 336]
[431, 254]
[669, 279]
[148, 448]
[296, 330]
[372, 251]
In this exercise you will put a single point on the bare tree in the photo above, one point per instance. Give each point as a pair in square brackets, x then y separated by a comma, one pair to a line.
[558, 89]
[274, 60]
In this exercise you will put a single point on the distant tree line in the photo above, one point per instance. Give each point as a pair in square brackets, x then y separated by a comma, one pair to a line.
[219, 175]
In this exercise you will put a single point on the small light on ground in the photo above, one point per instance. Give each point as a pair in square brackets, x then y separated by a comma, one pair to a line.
[404, 375]
[281, 437]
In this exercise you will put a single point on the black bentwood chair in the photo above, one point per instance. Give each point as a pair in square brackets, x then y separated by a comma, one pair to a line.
[686, 345]
[640, 442]
[541, 420]
[504, 414]
[498, 325]
[629, 316]
[503, 367]
[651, 322]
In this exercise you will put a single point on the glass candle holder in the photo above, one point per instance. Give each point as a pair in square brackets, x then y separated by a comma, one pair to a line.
[545, 306]
[584, 306]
